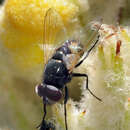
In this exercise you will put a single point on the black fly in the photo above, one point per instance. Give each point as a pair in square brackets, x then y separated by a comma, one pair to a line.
[59, 65]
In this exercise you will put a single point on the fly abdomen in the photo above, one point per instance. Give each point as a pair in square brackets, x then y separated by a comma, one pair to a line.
[64, 49]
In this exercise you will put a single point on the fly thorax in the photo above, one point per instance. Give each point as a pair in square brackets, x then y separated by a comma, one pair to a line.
[58, 55]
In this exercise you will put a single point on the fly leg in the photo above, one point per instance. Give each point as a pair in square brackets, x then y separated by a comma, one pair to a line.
[42, 125]
[65, 101]
[80, 62]
[86, 76]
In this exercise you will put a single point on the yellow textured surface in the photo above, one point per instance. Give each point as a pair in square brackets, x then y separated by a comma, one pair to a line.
[28, 57]
[28, 15]
[22, 27]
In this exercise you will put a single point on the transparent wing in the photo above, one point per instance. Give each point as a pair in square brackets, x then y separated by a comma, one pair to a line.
[91, 43]
[54, 31]
[92, 33]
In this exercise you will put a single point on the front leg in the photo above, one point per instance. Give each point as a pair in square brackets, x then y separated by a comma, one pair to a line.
[86, 76]
[43, 124]
[65, 101]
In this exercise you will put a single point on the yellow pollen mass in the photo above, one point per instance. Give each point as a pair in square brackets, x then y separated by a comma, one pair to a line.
[28, 15]
[22, 27]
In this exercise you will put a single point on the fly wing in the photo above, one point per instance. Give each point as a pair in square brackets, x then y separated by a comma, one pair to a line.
[53, 32]
[92, 34]
[90, 43]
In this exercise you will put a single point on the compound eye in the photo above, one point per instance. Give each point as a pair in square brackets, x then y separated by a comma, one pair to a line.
[53, 93]
[39, 90]
[48, 91]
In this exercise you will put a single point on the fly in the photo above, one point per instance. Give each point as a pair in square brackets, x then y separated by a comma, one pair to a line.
[59, 65]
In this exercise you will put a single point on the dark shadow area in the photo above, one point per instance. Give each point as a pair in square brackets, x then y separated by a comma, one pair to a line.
[1, 1]
[74, 88]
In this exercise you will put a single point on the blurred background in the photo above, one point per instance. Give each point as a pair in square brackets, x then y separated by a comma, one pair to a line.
[1, 1]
